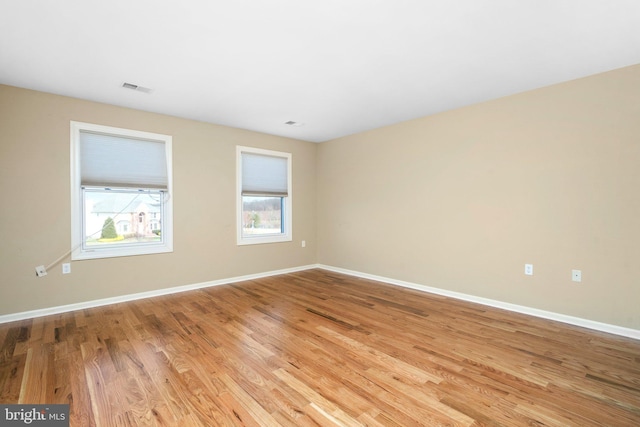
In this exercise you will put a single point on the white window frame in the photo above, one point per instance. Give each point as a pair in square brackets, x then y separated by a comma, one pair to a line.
[78, 251]
[287, 202]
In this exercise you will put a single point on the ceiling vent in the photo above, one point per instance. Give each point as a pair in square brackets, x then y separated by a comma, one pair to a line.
[292, 123]
[136, 87]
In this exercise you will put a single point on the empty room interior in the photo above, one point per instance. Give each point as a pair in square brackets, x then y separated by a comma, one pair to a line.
[320, 213]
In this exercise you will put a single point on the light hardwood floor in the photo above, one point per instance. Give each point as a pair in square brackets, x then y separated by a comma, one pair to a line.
[318, 348]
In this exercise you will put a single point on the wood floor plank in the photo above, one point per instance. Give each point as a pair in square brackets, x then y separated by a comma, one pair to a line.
[11, 374]
[318, 348]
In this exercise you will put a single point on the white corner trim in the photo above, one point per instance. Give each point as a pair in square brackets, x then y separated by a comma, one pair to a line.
[576, 321]
[132, 297]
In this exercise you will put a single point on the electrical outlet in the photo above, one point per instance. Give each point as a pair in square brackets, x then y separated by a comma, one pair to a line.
[304, 244]
[576, 275]
[66, 268]
[528, 269]
[41, 271]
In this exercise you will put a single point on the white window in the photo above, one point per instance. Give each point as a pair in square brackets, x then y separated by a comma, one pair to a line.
[264, 196]
[119, 179]
[123, 227]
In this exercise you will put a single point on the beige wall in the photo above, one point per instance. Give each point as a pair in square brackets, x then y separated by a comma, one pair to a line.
[35, 206]
[463, 199]
[459, 201]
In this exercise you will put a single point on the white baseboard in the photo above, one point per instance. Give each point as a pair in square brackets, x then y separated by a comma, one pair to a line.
[132, 297]
[576, 321]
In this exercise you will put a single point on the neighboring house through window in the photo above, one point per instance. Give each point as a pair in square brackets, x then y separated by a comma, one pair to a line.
[121, 192]
[264, 196]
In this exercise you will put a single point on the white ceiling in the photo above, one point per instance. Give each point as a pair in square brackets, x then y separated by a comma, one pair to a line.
[338, 66]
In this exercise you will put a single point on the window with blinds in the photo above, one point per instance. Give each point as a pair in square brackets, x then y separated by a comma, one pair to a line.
[264, 196]
[121, 192]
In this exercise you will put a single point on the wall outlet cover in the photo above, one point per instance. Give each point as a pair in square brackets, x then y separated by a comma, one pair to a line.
[41, 271]
[576, 275]
[528, 269]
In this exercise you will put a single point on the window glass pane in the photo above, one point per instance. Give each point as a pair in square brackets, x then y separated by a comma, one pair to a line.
[262, 216]
[122, 217]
